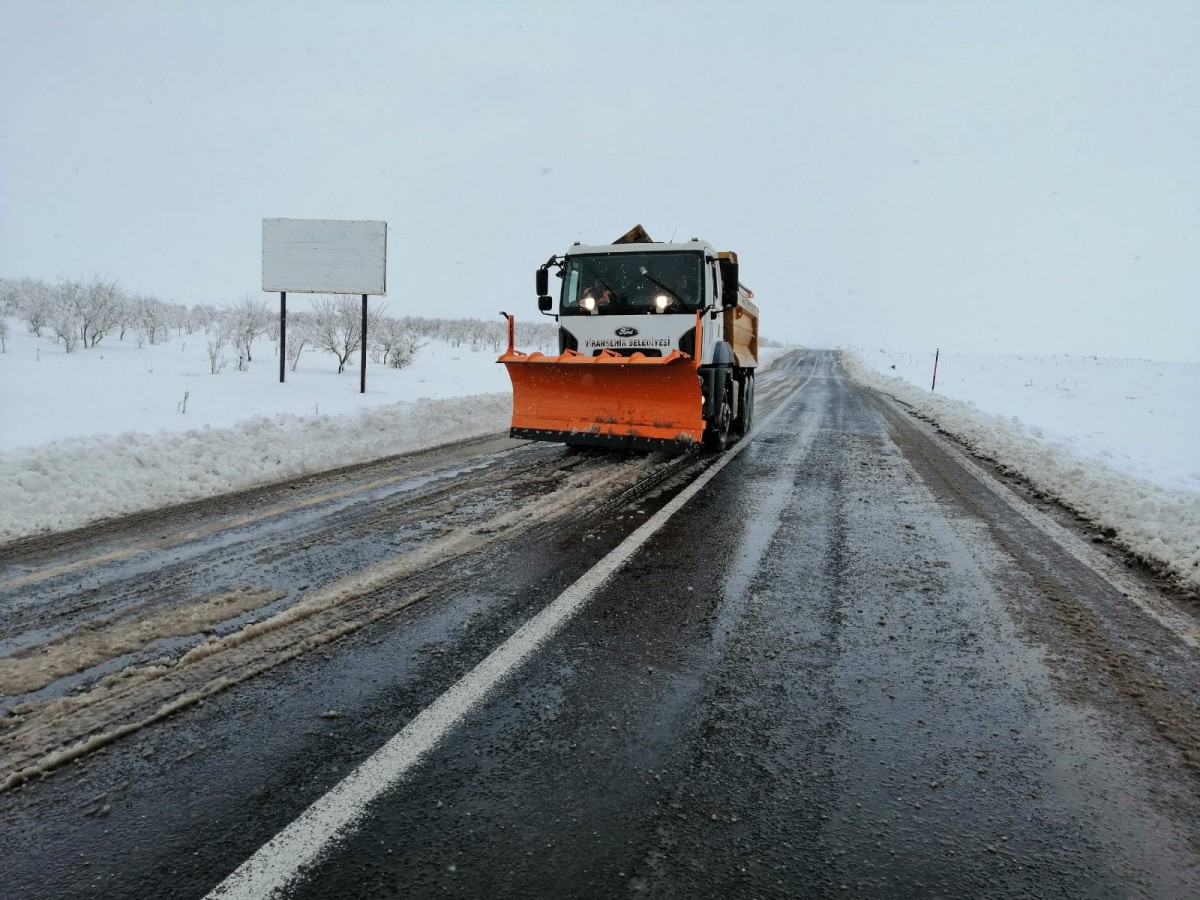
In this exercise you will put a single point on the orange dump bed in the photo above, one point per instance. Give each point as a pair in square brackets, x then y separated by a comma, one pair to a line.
[641, 402]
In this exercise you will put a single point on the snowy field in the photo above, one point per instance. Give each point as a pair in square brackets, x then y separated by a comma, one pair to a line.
[1118, 440]
[105, 431]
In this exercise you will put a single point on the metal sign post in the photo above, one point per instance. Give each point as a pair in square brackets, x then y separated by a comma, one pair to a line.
[282, 333]
[362, 389]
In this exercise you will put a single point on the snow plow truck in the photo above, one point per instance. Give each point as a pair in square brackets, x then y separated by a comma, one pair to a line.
[657, 344]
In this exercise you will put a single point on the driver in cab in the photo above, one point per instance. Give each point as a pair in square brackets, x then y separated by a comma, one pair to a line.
[595, 297]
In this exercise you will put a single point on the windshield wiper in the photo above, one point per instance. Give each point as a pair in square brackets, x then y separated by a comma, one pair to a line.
[654, 280]
[600, 278]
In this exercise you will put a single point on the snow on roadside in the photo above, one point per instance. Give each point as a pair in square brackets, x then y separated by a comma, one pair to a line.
[68, 483]
[101, 433]
[1159, 525]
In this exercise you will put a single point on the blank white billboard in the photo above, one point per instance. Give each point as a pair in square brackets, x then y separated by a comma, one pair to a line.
[324, 256]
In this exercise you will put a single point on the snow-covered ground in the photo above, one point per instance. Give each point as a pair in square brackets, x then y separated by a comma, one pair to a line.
[105, 431]
[1118, 440]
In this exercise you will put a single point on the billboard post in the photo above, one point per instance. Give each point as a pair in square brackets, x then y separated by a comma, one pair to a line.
[362, 389]
[282, 333]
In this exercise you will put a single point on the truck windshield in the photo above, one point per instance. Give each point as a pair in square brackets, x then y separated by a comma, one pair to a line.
[628, 283]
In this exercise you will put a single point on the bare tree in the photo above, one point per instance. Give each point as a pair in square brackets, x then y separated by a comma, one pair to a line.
[152, 318]
[299, 336]
[496, 334]
[203, 315]
[383, 339]
[8, 305]
[177, 315]
[191, 319]
[10, 293]
[456, 331]
[396, 342]
[64, 313]
[408, 342]
[434, 328]
[129, 316]
[337, 326]
[215, 346]
[248, 318]
[103, 306]
[36, 304]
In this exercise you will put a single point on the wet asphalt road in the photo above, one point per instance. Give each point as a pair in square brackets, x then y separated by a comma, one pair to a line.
[847, 667]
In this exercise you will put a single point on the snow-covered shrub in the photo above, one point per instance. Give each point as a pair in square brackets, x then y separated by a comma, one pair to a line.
[337, 326]
[178, 317]
[247, 319]
[99, 307]
[299, 335]
[64, 316]
[395, 342]
[151, 316]
[35, 304]
[202, 316]
[408, 342]
[215, 347]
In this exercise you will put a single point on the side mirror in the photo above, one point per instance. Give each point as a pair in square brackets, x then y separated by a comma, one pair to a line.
[729, 284]
[543, 284]
[545, 303]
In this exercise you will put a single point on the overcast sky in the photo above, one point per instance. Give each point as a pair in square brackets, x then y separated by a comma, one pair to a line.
[987, 177]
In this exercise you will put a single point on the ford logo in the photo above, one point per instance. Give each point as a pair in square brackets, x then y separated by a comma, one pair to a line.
[626, 331]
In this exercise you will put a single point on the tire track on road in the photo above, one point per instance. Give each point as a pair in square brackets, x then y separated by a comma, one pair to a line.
[39, 736]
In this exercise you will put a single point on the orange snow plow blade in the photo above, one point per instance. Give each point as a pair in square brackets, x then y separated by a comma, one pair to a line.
[639, 402]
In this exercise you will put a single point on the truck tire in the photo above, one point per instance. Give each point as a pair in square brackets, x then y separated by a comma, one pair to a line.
[745, 417]
[749, 409]
[716, 435]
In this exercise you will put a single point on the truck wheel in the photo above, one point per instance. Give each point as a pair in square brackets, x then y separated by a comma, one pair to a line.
[749, 402]
[716, 435]
[745, 417]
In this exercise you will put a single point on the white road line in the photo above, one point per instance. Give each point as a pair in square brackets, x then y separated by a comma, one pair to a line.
[285, 857]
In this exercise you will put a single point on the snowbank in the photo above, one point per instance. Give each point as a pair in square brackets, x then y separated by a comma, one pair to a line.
[128, 426]
[69, 483]
[1159, 525]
